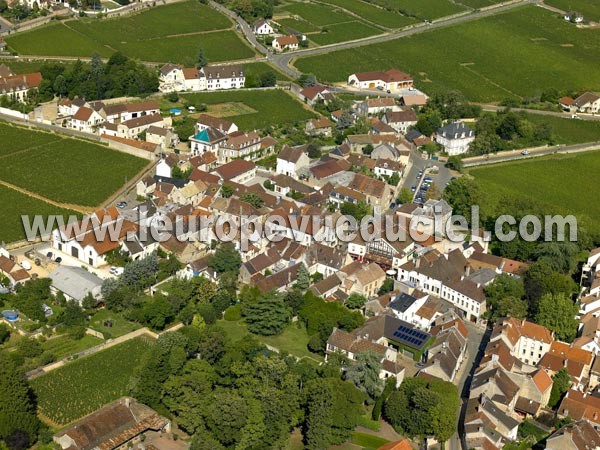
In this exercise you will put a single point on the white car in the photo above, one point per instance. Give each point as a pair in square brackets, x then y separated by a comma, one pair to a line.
[524, 152]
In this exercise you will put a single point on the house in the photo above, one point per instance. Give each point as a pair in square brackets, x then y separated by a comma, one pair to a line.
[170, 77]
[240, 144]
[414, 99]
[400, 120]
[388, 167]
[389, 151]
[224, 77]
[319, 127]
[404, 444]
[9, 269]
[207, 140]
[163, 137]
[377, 192]
[587, 102]
[574, 17]
[86, 120]
[75, 283]
[313, 94]
[68, 107]
[580, 405]
[580, 435]
[487, 426]
[93, 237]
[282, 43]
[237, 171]
[124, 423]
[374, 106]
[404, 306]
[291, 160]
[132, 128]
[577, 361]
[165, 166]
[455, 138]
[262, 27]
[326, 169]
[390, 80]
[364, 279]
[528, 341]
[205, 121]
[17, 87]
[447, 352]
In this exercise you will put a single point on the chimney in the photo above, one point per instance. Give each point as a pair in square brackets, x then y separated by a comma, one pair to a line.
[417, 263]
[468, 270]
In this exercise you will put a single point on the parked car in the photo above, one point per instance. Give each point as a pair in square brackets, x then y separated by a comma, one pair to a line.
[428, 179]
[413, 188]
[524, 152]
[121, 205]
[58, 260]
[116, 270]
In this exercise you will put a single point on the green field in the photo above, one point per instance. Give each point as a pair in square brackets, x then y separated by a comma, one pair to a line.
[514, 54]
[299, 25]
[86, 384]
[589, 8]
[14, 205]
[170, 33]
[118, 324]
[63, 346]
[566, 184]
[319, 15]
[20, 66]
[569, 131]
[344, 32]
[273, 107]
[256, 69]
[429, 9]
[479, 3]
[70, 170]
[373, 13]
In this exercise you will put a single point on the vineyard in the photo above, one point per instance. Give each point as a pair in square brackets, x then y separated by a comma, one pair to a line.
[85, 385]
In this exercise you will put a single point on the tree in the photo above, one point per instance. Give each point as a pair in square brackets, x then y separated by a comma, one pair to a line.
[510, 307]
[364, 373]
[4, 333]
[302, 277]
[461, 194]
[201, 60]
[405, 195]
[387, 286]
[307, 79]
[227, 191]
[558, 313]
[226, 259]
[504, 295]
[227, 416]
[18, 420]
[254, 199]
[356, 301]
[267, 316]
[433, 193]
[268, 79]
[356, 210]
[540, 279]
[455, 163]
[561, 381]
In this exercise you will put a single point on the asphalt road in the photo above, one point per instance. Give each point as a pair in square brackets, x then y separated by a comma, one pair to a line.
[516, 154]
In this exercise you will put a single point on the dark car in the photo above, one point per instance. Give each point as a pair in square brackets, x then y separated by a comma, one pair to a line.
[58, 260]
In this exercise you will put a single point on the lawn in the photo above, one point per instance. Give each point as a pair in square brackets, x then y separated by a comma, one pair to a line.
[367, 441]
[86, 384]
[14, 205]
[70, 170]
[169, 33]
[344, 32]
[293, 340]
[589, 8]
[565, 184]
[373, 13]
[118, 325]
[513, 54]
[274, 107]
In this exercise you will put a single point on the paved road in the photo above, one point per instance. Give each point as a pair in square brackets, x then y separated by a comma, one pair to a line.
[516, 154]
[562, 115]
[244, 27]
[283, 61]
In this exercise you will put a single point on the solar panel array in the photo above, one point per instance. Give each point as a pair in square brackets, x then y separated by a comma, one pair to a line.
[411, 336]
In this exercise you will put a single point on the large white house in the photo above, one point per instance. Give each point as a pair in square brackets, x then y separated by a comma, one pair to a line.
[175, 78]
[17, 86]
[289, 42]
[455, 138]
[587, 102]
[290, 160]
[262, 27]
[391, 80]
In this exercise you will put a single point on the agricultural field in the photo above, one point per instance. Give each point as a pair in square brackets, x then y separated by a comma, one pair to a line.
[270, 107]
[476, 4]
[20, 66]
[256, 69]
[421, 9]
[344, 32]
[170, 33]
[566, 184]
[589, 8]
[70, 170]
[569, 131]
[319, 15]
[86, 384]
[63, 346]
[14, 205]
[378, 15]
[298, 25]
[511, 55]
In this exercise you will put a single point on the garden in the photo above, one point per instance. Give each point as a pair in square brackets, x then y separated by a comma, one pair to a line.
[86, 384]
[511, 55]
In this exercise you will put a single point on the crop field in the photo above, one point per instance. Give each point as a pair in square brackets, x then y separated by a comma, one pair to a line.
[514, 54]
[70, 171]
[256, 69]
[429, 9]
[589, 8]
[344, 32]
[84, 385]
[367, 11]
[16, 139]
[14, 205]
[569, 131]
[319, 15]
[170, 33]
[272, 106]
[565, 183]
[299, 25]
[475, 4]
